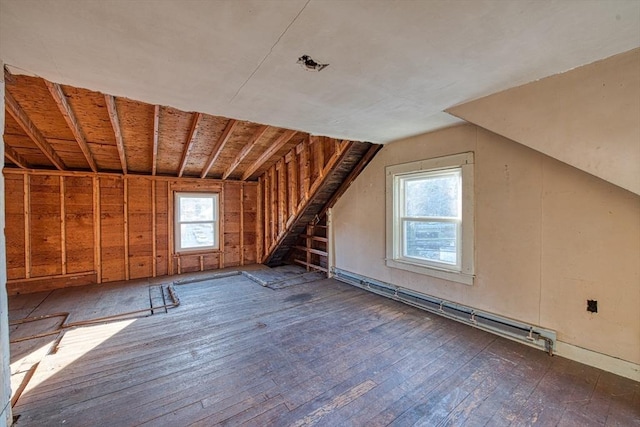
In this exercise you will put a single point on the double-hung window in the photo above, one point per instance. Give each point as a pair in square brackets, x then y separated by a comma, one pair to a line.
[196, 221]
[430, 217]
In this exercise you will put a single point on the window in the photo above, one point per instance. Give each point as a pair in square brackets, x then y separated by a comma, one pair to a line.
[430, 217]
[196, 221]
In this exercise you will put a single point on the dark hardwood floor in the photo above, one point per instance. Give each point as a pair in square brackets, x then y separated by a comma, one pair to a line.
[318, 353]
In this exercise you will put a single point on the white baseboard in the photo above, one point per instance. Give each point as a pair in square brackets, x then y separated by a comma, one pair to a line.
[602, 361]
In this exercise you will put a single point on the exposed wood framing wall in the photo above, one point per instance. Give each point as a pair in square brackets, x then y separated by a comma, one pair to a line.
[69, 228]
[286, 187]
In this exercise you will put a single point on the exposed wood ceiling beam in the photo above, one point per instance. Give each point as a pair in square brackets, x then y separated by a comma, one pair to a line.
[115, 123]
[197, 119]
[217, 148]
[245, 150]
[67, 112]
[284, 138]
[16, 158]
[156, 132]
[32, 131]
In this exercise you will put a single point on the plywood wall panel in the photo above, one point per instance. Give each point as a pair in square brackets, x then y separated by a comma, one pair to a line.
[112, 229]
[147, 225]
[78, 208]
[45, 226]
[140, 228]
[14, 226]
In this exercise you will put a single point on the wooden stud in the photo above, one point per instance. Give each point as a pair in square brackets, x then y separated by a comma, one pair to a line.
[245, 151]
[115, 123]
[154, 230]
[126, 228]
[179, 264]
[284, 138]
[32, 131]
[221, 227]
[318, 155]
[27, 225]
[193, 133]
[156, 133]
[97, 244]
[310, 232]
[267, 212]
[16, 158]
[292, 183]
[69, 116]
[242, 223]
[274, 205]
[170, 229]
[282, 195]
[259, 224]
[219, 145]
[305, 170]
[201, 262]
[63, 229]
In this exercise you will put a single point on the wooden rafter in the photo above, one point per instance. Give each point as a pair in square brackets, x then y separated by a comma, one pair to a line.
[284, 138]
[15, 157]
[32, 131]
[67, 112]
[193, 133]
[245, 150]
[217, 148]
[156, 132]
[115, 123]
[364, 161]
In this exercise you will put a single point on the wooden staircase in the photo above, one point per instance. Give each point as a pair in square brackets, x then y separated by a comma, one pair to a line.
[301, 189]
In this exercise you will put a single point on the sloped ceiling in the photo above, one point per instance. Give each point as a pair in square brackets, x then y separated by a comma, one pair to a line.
[588, 117]
[395, 66]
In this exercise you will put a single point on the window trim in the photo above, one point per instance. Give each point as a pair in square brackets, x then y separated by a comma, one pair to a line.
[464, 272]
[178, 249]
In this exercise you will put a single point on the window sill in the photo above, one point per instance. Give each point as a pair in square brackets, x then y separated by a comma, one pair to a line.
[454, 276]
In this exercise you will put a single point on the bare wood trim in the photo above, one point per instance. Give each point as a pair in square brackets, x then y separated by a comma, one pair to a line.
[259, 204]
[55, 276]
[63, 229]
[245, 151]
[115, 123]
[217, 148]
[242, 223]
[193, 133]
[126, 228]
[183, 180]
[284, 138]
[154, 245]
[97, 245]
[31, 130]
[27, 225]
[364, 161]
[179, 264]
[69, 116]
[156, 133]
[15, 157]
[201, 257]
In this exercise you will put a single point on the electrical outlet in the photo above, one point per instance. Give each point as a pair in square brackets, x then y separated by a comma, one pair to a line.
[592, 306]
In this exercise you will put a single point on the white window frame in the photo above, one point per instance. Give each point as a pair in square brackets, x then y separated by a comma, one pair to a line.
[396, 175]
[178, 195]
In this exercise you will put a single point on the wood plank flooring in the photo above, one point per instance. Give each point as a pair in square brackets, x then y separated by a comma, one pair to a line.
[320, 353]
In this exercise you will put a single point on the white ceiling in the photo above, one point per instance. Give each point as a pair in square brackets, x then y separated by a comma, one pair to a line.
[394, 65]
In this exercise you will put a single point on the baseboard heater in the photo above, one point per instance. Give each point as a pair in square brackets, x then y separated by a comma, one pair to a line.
[531, 335]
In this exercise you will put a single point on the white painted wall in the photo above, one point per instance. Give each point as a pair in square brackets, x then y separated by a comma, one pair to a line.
[5, 378]
[588, 117]
[548, 237]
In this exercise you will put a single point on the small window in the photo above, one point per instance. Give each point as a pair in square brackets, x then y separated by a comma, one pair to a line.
[430, 217]
[196, 221]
